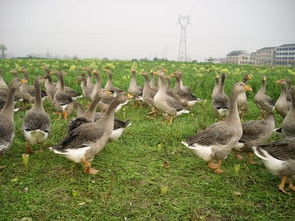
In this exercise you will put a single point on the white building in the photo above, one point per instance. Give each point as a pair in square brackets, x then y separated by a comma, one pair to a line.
[266, 56]
[238, 57]
[285, 55]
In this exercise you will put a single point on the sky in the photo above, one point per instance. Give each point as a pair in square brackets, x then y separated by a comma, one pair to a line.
[127, 29]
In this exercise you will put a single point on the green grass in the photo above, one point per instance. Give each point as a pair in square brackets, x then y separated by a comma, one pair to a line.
[132, 183]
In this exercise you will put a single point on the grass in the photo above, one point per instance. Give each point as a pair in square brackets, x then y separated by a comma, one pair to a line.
[134, 183]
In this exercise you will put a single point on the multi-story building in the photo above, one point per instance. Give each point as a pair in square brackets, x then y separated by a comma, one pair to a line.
[285, 55]
[266, 56]
[253, 58]
[238, 57]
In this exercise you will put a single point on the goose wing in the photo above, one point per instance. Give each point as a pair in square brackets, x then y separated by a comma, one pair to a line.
[282, 150]
[217, 134]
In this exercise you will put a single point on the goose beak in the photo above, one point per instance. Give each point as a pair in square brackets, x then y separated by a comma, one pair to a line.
[247, 88]
[129, 96]
[109, 93]
[23, 81]
[279, 81]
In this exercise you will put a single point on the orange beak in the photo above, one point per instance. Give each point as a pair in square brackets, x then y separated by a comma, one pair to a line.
[247, 88]
[23, 81]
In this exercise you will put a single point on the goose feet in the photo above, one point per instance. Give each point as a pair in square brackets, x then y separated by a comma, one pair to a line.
[87, 167]
[212, 165]
[153, 112]
[170, 119]
[250, 159]
[218, 170]
[282, 184]
[65, 115]
[28, 149]
[240, 157]
[291, 186]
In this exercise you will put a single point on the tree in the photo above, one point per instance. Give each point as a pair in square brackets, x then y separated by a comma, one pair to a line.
[3, 49]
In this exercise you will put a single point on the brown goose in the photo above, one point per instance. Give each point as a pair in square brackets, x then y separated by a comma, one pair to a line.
[97, 87]
[242, 98]
[182, 86]
[86, 91]
[7, 127]
[4, 93]
[61, 99]
[109, 85]
[84, 142]
[255, 132]
[279, 158]
[216, 142]
[86, 116]
[220, 100]
[166, 103]
[89, 115]
[283, 105]
[67, 90]
[134, 89]
[184, 97]
[153, 81]
[26, 91]
[263, 101]
[148, 93]
[36, 124]
[3, 90]
[216, 86]
[288, 125]
[89, 83]
[52, 87]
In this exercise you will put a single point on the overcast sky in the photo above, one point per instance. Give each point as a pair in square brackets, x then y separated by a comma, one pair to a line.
[127, 29]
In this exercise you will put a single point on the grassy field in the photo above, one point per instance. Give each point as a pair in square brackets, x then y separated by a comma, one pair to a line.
[134, 182]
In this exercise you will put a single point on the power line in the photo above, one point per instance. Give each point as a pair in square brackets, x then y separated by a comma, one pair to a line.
[144, 35]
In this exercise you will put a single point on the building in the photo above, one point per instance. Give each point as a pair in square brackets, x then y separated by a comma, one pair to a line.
[285, 55]
[253, 58]
[266, 56]
[238, 57]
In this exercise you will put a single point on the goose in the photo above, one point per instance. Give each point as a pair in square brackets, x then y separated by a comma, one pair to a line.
[216, 141]
[3, 90]
[86, 91]
[61, 99]
[185, 98]
[36, 123]
[7, 127]
[220, 100]
[242, 98]
[166, 103]
[4, 93]
[134, 89]
[67, 90]
[97, 87]
[89, 83]
[83, 143]
[216, 86]
[263, 101]
[279, 158]
[148, 92]
[288, 125]
[85, 116]
[52, 87]
[26, 91]
[153, 81]
[255, 132]
[182, 86]
[109, 85]
[283, 105]
[90, 116]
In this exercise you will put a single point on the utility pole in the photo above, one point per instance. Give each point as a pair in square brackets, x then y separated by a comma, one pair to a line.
[183, 21]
